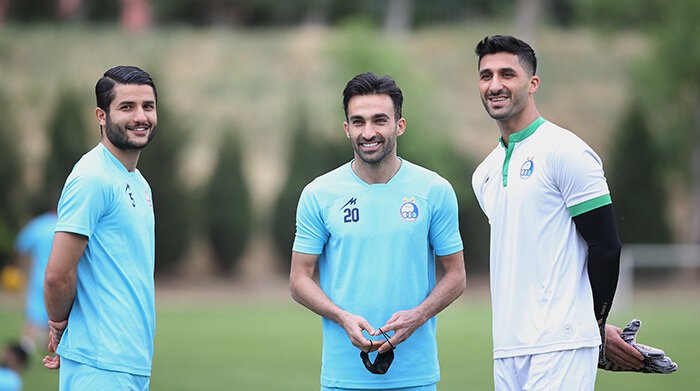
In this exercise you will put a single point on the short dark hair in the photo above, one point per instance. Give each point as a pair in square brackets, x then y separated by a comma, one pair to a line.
[506, 43]
[369, 83]
[123, 74]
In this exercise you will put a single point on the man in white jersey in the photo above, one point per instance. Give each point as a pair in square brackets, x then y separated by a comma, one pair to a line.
[554, 243]
[375, 227]
[99, 287]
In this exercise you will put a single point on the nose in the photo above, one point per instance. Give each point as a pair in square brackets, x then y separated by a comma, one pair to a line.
[140, 115]
[496, 84]
[369, 131]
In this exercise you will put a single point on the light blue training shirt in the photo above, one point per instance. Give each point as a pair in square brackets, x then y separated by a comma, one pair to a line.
[35, 240]
[377, 246]
[112, 323]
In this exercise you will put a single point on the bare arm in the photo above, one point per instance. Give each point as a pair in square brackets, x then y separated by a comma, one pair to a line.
[449, 288]
[61, 274]
[60, 283]
[309, 294]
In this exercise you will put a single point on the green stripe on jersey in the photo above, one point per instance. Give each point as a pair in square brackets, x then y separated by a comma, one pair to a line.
[589, 205]
[514, 139]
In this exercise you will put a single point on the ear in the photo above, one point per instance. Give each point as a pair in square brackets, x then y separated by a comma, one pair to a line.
[534, 84]
[101, 116]
[401, 127]
[346, 128]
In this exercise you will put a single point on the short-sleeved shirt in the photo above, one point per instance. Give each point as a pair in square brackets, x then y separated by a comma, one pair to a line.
[112, 322]
[541, 295]
[377, 246]
[35, 240]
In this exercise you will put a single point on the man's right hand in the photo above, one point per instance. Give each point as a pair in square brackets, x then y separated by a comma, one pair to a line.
[620, 352]
[353, 326]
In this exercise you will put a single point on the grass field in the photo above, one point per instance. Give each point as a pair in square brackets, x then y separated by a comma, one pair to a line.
[276, 346]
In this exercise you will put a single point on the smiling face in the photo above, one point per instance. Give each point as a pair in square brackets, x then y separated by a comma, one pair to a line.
[372, 128]
[131, 121]
[506, 88]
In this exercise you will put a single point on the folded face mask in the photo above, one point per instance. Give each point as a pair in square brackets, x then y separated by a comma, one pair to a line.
[382, 362]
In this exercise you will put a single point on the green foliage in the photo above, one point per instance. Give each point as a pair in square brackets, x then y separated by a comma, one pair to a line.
[67, 143]
[227, 205]
[636, 182]
[173, 203]
[622, 14]
[11, 174]
[309, 157]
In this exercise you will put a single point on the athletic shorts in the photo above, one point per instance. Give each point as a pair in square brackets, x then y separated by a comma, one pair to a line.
[430, 387]
[75, 376]
[571, 370]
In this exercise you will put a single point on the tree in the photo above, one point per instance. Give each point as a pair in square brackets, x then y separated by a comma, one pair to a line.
[173, 202]
[636, 182]
[11, 178]
[309, 158]
[67, 143]
[227, 215]
[667, 81]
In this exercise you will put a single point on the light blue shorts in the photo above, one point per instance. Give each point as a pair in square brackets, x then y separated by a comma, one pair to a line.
[75, 376]
[429, 387]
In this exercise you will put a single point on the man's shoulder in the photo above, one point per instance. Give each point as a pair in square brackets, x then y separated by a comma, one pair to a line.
[560, 138]
[331, 182]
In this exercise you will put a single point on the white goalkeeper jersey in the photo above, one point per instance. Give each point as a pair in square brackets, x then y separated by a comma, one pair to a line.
[530, 190]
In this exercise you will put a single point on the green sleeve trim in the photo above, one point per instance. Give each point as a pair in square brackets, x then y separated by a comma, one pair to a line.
[589, 205]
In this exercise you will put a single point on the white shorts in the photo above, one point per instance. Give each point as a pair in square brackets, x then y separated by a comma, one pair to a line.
[569, 370]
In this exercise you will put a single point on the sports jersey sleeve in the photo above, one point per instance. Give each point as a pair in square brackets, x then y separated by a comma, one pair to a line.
[581, 180]
[83, 201]
[444, 226]
[311, 232]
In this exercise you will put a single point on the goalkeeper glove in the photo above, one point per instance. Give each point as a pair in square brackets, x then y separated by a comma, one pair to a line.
[655, 360]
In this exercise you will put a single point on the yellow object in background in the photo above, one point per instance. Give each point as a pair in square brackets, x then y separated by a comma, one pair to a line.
[12, 278]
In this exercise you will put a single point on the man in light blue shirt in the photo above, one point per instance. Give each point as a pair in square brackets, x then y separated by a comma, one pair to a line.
[34, 243]
[99, 287]
[375, 227]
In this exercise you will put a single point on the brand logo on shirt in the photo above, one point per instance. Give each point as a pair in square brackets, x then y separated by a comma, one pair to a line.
[131, 196]
[409, 210]
[352, 201]
[527, 168]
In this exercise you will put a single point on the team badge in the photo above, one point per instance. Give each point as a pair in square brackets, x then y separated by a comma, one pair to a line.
[527, 168]
[409, 210]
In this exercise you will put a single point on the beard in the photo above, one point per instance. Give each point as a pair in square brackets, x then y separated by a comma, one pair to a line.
[117, 135]
[389, 144]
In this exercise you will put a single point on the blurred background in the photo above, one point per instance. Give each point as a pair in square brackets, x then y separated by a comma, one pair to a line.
[250, 110]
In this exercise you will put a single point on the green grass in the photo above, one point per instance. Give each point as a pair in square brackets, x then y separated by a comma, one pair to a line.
[277, 346]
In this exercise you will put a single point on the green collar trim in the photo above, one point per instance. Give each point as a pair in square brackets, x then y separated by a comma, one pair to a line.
[514, 139]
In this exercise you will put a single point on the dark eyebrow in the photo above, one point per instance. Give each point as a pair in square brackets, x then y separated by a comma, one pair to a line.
[380, 116]
[500, 70]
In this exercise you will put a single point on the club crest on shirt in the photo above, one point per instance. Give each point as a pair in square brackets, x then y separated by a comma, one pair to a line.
[149, 202]
[409, 210]
[527, 168]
